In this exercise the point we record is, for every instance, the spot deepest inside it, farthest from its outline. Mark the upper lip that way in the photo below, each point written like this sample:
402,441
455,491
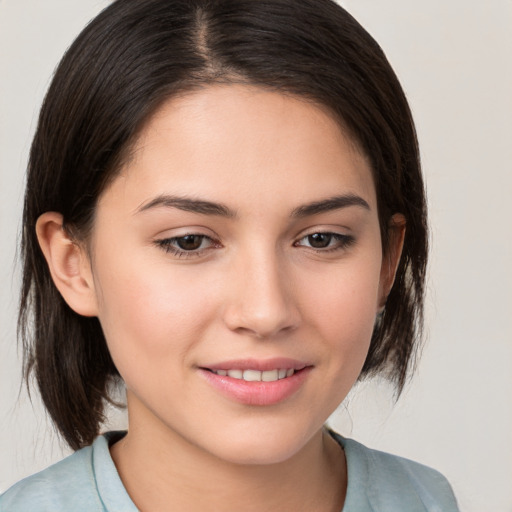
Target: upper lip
258,364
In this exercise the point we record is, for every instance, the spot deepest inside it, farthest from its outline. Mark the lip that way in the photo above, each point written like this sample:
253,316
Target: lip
257,393
258,364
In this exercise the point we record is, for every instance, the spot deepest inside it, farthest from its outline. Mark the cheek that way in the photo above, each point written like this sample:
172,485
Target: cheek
148,312
342,308
344,300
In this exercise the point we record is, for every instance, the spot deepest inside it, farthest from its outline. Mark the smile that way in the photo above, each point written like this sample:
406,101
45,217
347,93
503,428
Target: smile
257,375
260,383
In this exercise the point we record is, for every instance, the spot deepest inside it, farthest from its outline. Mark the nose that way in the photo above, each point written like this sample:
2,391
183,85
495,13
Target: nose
261,302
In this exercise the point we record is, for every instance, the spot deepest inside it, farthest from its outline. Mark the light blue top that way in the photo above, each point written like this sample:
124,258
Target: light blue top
87,481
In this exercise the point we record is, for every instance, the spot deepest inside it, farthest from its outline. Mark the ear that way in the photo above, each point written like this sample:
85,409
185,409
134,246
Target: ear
68,263
391,258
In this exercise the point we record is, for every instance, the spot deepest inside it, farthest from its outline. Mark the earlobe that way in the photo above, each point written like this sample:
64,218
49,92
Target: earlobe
391,258
68,263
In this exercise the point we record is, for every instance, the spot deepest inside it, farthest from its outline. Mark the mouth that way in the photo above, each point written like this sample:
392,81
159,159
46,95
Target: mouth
250,375
256,382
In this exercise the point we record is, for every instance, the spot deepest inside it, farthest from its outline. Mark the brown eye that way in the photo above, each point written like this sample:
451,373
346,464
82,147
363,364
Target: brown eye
187,246
320,240
189,242
326,241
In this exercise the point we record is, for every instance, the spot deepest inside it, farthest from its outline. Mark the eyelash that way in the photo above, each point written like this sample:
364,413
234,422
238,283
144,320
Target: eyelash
343,241
169,244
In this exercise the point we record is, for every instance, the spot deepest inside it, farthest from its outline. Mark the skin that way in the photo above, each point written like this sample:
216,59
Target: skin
256,288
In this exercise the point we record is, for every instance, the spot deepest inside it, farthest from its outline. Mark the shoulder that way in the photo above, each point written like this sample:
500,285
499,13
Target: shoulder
67,485
394,483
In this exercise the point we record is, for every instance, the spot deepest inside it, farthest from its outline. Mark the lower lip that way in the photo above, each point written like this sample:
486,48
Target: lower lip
257,393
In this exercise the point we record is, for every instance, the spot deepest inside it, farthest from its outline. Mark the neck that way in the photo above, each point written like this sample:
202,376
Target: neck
162,471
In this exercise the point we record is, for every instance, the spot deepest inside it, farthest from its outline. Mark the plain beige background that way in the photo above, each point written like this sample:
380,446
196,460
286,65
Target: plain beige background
454,58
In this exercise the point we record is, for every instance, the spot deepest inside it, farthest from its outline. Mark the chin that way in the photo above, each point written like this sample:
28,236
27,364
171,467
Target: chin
260,448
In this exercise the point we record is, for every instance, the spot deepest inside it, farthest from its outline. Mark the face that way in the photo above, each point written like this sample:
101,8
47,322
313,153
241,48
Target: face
238,270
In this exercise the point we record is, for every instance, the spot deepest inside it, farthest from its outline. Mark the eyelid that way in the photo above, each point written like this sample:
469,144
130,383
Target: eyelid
344,240
167,245
325,228
183,230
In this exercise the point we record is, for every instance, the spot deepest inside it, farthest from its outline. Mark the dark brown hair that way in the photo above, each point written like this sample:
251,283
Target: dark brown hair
132,57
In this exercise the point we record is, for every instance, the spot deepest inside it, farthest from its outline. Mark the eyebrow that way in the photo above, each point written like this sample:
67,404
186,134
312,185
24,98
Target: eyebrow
210,208
189,205
332,203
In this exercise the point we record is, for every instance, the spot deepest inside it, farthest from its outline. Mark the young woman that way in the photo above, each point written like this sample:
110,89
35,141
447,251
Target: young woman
225,214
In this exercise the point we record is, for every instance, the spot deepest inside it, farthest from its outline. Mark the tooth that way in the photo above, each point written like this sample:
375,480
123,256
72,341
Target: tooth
256,375
252,375
236,374
269,375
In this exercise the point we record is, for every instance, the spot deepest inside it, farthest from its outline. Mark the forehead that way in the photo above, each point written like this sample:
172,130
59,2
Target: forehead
245,142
